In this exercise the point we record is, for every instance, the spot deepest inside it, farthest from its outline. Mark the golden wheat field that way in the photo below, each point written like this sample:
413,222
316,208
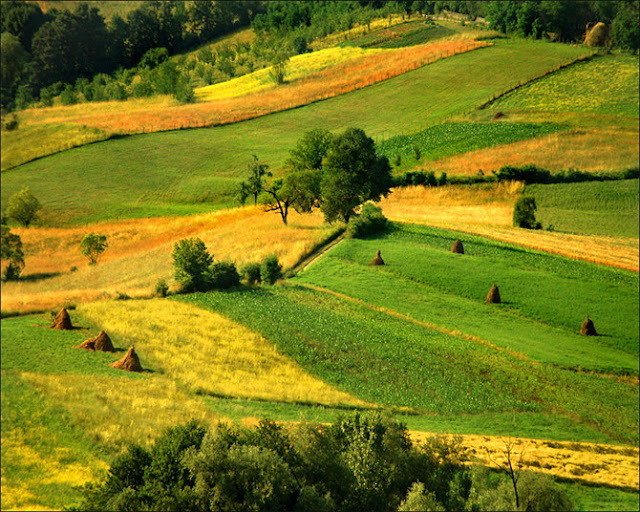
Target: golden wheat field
487,210
209,353
139,253
587,462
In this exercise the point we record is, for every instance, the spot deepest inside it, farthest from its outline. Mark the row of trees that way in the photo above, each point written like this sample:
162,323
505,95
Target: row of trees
62,46
335,173
363,462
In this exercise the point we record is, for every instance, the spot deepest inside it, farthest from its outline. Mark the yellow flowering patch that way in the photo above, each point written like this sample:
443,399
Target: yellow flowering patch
209,353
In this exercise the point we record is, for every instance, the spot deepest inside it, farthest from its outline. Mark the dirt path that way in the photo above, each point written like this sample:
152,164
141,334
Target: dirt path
316,255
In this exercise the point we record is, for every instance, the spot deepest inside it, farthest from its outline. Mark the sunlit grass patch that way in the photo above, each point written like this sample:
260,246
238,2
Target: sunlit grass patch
210,353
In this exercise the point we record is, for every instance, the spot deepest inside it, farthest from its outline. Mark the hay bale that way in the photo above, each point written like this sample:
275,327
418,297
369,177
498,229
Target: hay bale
378,259
103,342
587,328
457,247
499,115
494,295
130,362
89,344
597,36
62,321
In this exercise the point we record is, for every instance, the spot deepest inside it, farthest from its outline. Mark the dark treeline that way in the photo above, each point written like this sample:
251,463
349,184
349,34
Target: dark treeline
39,50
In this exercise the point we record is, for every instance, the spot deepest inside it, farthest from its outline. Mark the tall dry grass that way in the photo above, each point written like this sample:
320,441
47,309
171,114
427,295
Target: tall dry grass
487,210
139,253
588,462
209,353
157,114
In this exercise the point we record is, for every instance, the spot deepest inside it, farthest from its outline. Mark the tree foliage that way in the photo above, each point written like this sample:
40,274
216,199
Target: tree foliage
191,262
270,270
92,246
12,254
524,213
23,207
352,174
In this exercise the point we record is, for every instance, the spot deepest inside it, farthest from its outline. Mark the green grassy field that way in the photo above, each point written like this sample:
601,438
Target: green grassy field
552,292
450,139
604,85
405,34
352,346
594,208
174,172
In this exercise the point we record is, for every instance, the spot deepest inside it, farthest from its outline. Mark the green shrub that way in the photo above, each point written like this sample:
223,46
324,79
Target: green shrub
223,275
67,96
270,270
524,213
162,288
419,499
251,272
23,207
369,222
92,246
191,262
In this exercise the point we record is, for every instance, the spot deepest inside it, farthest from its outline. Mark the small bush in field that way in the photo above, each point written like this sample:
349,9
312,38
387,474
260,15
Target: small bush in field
251,273
369,222
162,288
223,275
270,270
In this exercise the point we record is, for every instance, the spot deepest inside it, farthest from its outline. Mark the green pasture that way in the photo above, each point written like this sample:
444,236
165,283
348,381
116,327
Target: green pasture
397,363
453,138
555,292
405,34
608,208
603,85
186,171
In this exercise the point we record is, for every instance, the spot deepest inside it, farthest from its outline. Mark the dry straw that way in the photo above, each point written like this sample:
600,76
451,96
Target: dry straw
377,260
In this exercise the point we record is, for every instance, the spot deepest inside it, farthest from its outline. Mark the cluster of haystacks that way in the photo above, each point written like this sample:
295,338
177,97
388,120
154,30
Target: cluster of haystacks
378,259
62,321
101,343
598,35
130,362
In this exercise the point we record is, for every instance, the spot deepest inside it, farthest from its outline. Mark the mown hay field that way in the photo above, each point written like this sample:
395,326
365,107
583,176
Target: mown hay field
174,172
139,253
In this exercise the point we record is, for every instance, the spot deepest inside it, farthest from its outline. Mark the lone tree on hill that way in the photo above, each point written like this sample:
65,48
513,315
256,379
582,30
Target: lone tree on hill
524,213
23,207
254,183
92,246
353,174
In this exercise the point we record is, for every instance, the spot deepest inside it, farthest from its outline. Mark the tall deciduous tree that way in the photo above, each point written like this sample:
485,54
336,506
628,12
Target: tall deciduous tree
353,174
23,207
254,183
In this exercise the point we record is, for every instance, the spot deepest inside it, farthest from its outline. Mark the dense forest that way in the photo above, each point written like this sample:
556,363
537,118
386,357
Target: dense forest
78,56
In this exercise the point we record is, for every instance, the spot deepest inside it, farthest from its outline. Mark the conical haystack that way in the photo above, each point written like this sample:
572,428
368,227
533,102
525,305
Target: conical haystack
89,344
129,362
597,36
457,247
494,295
587,328
498,115
62,321
103,342
377,260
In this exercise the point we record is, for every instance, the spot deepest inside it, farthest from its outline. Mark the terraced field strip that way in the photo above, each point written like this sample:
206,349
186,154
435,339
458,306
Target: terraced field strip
601,464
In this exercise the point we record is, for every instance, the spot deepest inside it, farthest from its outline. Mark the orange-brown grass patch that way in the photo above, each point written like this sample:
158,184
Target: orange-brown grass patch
594,463
139,253
487,210
163,113
593,150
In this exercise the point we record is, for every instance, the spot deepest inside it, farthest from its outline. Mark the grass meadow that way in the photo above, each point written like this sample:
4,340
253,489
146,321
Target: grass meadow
594,208
179,171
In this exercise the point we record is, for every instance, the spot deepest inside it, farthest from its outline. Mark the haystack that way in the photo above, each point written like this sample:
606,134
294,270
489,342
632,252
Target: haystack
597,36
457,247
89,344
494,295
62,321
129,362
587,328
103,342
499,115
377,260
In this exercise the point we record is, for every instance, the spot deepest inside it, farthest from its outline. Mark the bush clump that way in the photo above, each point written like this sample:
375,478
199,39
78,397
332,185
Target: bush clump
524,213
251,272
162,288
270,270
369,222
223,275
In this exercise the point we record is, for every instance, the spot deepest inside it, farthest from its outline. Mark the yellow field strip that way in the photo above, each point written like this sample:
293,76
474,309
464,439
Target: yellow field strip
209,353
487,211
601,464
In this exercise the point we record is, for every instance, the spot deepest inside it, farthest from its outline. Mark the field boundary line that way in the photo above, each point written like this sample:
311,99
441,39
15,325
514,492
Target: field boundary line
317,253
